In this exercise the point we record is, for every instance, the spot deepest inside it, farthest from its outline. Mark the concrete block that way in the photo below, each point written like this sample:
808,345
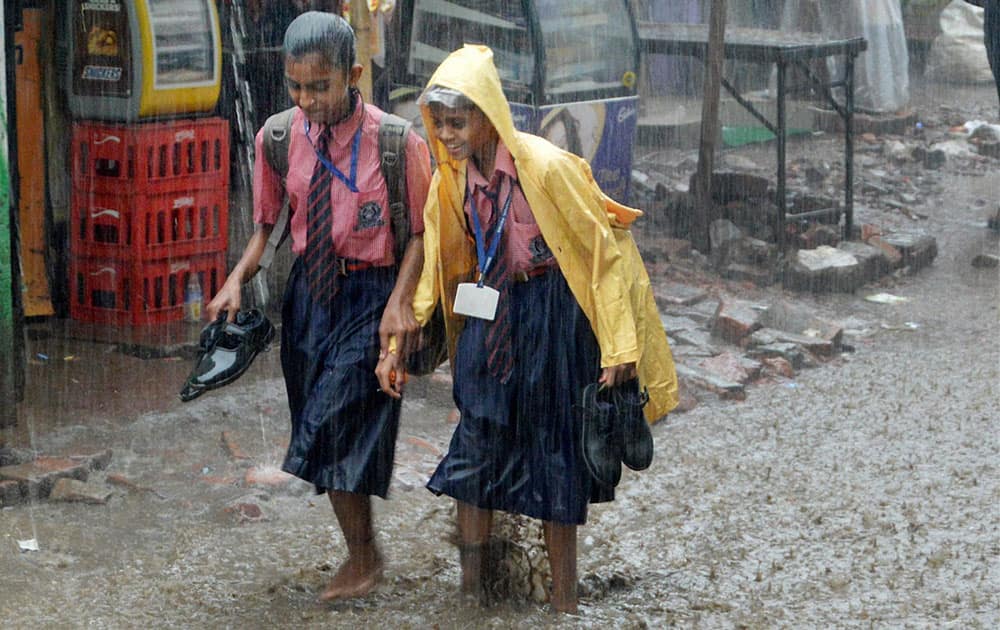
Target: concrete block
873,261
892,255
917,249
823,269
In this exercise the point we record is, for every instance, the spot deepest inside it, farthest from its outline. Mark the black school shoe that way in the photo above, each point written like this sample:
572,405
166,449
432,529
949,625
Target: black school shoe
226,350
633,430
602,446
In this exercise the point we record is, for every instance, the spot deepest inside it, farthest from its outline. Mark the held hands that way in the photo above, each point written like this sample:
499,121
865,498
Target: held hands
391,372
617,374
399,335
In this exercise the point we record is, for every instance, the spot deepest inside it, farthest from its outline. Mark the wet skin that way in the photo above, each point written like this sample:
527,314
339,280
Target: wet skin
319,89
466,133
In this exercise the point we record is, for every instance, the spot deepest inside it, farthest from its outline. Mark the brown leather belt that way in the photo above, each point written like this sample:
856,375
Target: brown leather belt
345,266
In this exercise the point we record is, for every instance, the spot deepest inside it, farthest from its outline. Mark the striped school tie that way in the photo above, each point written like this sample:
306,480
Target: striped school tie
499,352
320,259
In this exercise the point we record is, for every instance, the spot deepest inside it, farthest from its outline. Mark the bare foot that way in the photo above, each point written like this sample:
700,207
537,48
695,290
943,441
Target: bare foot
355,578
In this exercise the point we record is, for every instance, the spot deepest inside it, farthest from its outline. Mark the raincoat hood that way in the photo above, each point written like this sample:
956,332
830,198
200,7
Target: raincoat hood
585,229
470,70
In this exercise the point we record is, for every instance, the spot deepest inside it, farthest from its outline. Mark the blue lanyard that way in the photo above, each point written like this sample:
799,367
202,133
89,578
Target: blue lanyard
487,255
349,182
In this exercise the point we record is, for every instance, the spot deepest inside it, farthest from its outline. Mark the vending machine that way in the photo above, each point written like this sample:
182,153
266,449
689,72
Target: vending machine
132,60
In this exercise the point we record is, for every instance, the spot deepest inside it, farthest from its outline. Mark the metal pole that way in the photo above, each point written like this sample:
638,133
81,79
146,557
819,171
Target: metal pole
782,202
849,147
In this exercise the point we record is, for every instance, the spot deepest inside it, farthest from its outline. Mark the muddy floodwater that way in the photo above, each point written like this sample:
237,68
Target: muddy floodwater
863,492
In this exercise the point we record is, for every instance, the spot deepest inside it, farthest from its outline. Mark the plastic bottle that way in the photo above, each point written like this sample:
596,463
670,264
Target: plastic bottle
192,299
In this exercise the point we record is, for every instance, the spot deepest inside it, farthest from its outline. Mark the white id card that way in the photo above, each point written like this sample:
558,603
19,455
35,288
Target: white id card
473,300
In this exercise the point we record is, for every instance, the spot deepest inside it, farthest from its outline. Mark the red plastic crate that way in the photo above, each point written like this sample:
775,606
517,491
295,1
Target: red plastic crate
129,292
149,226
155,156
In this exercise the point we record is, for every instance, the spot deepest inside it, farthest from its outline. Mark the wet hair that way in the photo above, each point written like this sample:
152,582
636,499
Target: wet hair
327,34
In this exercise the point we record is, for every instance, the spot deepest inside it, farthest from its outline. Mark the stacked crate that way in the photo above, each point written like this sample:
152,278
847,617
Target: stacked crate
150,206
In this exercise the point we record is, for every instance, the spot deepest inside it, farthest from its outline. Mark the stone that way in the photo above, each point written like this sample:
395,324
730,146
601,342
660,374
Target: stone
232,447
707,380
918,249
10,493
13,456
795,318
675,293
814,344
788,352
897,151
873,261
779,366
95,461
990,149
892,255
986,261
245,512
735,319
75,491
673,324
39,476
696,338
703,312
722,235
759,276
727,366
823,269
267,476
819,234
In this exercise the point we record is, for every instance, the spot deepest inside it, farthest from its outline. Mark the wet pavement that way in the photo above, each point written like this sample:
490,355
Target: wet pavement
861,492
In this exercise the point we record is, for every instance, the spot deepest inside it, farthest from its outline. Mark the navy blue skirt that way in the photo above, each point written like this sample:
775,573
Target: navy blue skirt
517,445
343,428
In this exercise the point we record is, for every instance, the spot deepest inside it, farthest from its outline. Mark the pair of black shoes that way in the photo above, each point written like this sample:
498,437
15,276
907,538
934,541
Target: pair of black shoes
614,431
226,350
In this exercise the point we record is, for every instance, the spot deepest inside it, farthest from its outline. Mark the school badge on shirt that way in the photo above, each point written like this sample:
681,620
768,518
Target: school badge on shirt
369,216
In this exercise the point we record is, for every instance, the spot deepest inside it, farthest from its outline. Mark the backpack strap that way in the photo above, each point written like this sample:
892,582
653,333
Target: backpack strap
277,134
392,134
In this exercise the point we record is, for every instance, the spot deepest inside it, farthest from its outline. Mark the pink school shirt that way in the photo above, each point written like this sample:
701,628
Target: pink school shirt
360,231
524,247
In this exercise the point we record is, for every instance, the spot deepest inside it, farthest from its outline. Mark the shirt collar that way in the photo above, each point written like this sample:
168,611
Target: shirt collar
342,133
503,164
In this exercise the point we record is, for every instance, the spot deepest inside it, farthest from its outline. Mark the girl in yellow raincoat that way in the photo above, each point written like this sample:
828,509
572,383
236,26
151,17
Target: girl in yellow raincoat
544,293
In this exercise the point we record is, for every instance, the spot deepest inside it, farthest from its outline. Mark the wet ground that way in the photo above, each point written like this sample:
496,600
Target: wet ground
861,493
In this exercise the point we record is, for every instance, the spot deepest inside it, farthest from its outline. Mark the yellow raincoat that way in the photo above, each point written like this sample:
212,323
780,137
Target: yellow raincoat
586,230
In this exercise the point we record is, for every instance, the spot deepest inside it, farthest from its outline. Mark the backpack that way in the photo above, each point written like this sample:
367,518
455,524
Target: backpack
392,134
